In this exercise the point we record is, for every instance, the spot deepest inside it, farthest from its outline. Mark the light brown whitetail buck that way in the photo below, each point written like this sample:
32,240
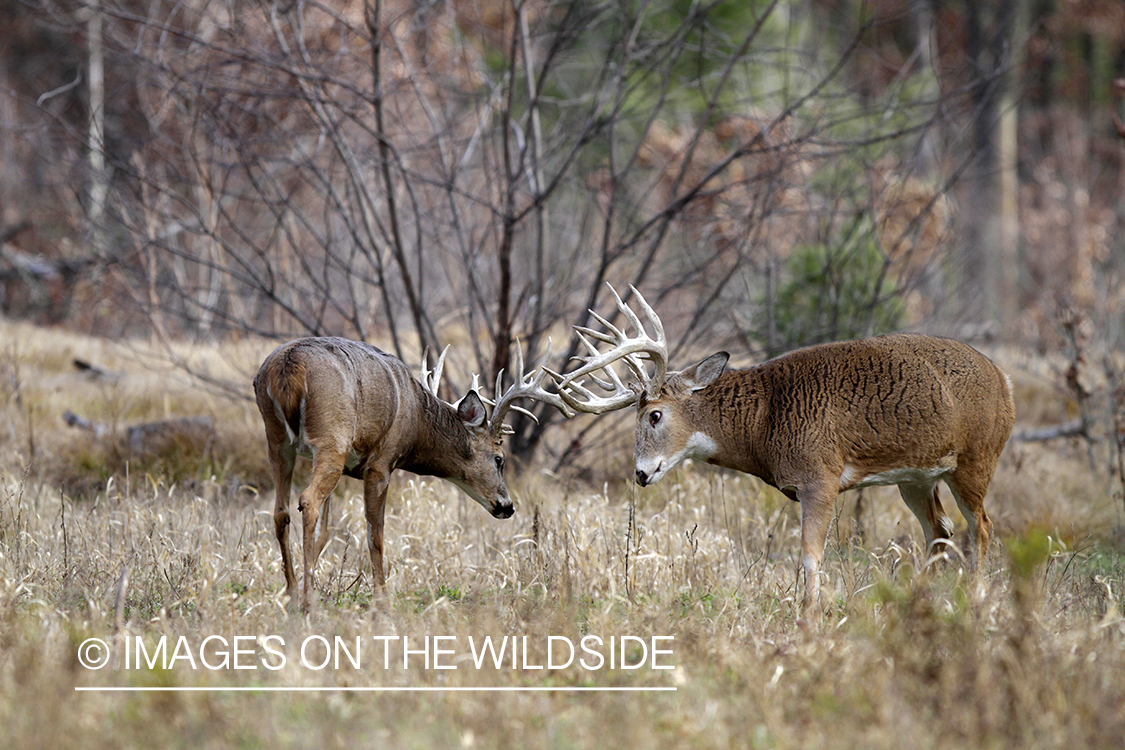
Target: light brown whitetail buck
356,410
904,409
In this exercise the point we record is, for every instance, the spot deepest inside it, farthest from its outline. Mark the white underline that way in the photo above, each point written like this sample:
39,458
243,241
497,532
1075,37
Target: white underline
375,689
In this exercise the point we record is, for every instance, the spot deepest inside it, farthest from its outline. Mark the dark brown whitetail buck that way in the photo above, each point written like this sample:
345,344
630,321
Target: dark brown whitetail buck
903,409
357,411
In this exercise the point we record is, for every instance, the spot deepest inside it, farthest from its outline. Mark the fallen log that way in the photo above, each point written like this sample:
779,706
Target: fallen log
1073,428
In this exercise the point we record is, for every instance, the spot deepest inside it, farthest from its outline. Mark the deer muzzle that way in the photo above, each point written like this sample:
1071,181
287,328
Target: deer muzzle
503,509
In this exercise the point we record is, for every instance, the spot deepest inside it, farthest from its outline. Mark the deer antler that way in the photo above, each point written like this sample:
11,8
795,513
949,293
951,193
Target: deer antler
629,349
528,385
431,379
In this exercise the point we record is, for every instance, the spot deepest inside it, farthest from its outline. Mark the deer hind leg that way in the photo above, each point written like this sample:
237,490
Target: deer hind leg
923,501
322,523
969,486
328,466
282,460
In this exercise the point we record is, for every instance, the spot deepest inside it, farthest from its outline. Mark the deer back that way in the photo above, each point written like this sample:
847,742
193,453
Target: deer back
329,391
347,396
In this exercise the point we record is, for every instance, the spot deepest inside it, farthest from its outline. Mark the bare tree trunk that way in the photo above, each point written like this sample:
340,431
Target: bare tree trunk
989,45
1007,255
99,179
422,325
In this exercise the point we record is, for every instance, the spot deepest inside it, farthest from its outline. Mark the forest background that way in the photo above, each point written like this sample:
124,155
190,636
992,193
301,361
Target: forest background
471,172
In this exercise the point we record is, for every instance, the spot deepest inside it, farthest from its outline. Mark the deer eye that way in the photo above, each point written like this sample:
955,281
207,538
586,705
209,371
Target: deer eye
500,464
654,418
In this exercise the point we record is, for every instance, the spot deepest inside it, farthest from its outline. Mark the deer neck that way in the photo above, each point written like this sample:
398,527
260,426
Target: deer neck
441,441
733,403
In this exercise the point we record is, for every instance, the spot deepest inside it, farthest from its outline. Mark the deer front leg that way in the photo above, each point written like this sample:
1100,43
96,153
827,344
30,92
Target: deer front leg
817,500
375,484
328,466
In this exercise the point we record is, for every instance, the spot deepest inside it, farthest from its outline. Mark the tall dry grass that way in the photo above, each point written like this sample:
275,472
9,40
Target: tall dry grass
1033,656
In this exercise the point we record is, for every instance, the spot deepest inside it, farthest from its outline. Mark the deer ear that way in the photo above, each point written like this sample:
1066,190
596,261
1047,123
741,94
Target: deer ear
702,374
471,410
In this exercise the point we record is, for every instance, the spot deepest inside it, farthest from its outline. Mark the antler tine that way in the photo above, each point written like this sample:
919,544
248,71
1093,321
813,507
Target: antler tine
475,386
525,382
591,403
626,310
661,363
630,360
646,308
529,385
617,333
602,361
431,380
629,349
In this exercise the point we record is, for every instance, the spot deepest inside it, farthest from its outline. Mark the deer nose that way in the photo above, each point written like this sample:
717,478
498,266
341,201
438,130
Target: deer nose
505,510
642,478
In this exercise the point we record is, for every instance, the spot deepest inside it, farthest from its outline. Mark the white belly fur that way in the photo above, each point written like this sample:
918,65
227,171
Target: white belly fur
853,478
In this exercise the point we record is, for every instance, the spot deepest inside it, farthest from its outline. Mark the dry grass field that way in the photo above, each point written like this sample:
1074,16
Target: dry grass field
173,549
